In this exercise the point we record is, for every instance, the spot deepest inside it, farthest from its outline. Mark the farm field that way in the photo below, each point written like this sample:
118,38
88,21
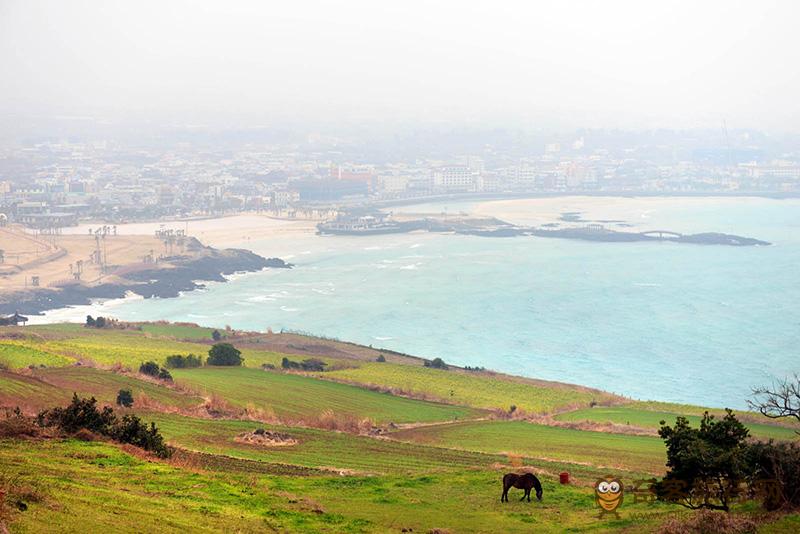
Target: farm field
368,447
295,397
598,449
629,415
469,389
178,331
96,486
89,483
16,355
42,387
337,451
28,392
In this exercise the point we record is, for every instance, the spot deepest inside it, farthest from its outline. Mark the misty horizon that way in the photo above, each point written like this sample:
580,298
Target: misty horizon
552,67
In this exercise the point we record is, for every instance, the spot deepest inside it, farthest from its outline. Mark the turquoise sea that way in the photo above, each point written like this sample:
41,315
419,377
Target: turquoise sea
684,323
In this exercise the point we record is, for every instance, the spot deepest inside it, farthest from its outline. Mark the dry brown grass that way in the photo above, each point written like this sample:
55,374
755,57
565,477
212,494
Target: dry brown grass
15,495
591,426
15,424
329,420
710,522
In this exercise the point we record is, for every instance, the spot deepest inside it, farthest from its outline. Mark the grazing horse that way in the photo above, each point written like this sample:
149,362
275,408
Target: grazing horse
525,482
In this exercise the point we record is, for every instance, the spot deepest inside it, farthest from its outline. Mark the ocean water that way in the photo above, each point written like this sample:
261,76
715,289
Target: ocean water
663,321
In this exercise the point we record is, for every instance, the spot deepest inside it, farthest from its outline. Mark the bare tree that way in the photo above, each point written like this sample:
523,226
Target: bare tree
779,401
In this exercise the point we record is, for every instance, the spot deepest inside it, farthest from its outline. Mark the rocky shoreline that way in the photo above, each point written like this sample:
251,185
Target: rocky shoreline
166,280
492,227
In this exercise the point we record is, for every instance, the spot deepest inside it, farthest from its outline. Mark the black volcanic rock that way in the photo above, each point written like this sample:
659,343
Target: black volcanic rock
181,273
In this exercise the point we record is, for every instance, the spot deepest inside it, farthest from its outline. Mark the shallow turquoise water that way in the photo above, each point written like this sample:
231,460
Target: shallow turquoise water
683,323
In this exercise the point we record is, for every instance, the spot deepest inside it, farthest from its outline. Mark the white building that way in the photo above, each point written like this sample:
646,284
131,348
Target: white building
455,178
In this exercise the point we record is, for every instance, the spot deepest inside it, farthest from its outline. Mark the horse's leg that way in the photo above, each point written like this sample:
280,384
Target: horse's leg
528,494
504,496
523,494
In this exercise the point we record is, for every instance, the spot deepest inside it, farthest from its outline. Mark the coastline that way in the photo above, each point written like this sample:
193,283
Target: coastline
169,280
221,232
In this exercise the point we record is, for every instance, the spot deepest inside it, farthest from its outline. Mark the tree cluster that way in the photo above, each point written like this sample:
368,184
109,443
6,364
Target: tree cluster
712,466
100,322
125,398
179,361
310,365
151,368
224,354
83,414
436,363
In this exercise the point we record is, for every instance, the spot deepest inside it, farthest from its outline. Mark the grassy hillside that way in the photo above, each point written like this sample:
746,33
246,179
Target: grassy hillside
469,389
44,387
95,487
649,419
16,355
598,449
316,448
440,469
295,397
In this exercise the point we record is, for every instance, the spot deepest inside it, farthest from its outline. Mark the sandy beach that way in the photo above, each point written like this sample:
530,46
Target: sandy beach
220,232
53,258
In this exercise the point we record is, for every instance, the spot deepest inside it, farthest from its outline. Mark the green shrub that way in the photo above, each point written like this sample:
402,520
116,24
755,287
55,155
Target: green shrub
164,375
775,473
178,361
706,465
132,430
224,354
381,358
310,364
81,413
436,363
313,364
125,398
150,369
286,363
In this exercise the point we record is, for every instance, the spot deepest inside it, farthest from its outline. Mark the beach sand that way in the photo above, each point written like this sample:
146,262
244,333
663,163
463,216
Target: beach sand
222,232
53,258
50,257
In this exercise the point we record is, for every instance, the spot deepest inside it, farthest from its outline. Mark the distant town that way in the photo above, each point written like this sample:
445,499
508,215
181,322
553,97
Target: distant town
53,183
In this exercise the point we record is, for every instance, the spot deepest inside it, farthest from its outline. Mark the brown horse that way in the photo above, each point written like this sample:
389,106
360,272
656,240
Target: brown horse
525,482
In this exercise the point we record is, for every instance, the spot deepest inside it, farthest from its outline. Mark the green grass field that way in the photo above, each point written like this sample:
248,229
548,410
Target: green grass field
52,346
295,397
316,448
46,387
477,390
599,449
96,487
16,355
628,415
179,331
442,470
28,392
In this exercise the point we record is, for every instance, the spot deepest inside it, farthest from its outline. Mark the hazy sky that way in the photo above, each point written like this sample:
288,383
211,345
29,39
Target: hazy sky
551,64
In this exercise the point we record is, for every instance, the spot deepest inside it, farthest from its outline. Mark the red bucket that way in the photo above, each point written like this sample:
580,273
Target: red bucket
563,477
